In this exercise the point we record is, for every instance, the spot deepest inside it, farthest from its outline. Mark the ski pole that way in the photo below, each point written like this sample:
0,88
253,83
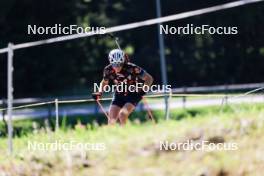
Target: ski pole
102,109
116,40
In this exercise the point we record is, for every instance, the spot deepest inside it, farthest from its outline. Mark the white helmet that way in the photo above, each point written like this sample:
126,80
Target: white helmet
116,56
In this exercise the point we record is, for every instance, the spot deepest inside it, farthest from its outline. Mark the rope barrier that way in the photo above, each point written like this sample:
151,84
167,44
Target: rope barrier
249,92
82,100
230,96
29,105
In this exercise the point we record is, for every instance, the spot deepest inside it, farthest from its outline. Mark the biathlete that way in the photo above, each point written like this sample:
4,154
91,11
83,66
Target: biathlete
122,72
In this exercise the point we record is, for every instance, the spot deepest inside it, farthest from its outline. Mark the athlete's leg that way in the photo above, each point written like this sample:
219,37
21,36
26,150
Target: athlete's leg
113,113
124,112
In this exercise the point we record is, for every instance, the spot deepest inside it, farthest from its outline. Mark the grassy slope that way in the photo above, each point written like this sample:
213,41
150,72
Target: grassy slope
133,150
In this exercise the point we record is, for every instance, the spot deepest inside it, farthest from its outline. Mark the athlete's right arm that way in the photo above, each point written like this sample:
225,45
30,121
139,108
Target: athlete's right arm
103,83
98,95
105,80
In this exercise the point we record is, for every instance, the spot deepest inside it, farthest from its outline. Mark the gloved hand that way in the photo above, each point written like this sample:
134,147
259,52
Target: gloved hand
97,95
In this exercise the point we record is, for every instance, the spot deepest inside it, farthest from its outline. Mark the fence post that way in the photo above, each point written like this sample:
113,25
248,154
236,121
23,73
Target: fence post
184,98
57,114
169,104
167,114
3,114
10,90
226,93
4,106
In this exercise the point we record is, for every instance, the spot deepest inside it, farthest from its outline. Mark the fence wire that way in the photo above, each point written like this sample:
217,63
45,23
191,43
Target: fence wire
223,96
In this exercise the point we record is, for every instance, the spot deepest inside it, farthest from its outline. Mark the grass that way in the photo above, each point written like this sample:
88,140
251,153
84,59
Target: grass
134,149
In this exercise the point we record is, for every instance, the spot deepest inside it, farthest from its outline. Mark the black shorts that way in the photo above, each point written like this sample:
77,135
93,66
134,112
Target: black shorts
121,100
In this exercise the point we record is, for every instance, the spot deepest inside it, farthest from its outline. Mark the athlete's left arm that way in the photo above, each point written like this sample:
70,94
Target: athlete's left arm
147,78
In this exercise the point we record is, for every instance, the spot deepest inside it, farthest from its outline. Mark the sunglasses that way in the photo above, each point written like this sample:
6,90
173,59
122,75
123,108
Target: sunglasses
117,65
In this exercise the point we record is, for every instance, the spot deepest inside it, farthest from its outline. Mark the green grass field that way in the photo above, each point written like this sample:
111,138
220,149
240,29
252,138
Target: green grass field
134,149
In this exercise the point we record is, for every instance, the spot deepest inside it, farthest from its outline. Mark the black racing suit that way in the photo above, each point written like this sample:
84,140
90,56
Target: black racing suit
130,74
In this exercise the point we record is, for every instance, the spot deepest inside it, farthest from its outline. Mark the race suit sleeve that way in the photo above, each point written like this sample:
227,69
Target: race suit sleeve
139,71
106,74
